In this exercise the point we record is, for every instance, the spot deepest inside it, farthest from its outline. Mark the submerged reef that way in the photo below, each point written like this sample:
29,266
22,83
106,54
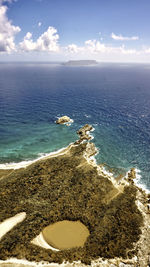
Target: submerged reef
71,186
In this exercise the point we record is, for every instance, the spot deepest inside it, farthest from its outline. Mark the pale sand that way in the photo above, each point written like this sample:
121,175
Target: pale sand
8,224
24,164
40,241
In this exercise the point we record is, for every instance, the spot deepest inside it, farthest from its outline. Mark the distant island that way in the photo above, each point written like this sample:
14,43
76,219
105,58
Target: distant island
80,62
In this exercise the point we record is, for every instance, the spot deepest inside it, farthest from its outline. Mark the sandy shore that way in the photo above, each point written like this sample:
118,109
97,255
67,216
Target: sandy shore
24,164
40,241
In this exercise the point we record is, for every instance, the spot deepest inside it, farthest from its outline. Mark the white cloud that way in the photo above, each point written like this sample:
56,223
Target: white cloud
96,48
90,46
48,41
146,50
123,38
7,31
126,51
73,48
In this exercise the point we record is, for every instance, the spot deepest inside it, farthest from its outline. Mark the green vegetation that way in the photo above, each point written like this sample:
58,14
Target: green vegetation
68,188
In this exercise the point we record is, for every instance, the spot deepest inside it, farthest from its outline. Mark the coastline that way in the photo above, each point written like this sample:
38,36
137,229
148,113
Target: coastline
24,164
116,190
64,150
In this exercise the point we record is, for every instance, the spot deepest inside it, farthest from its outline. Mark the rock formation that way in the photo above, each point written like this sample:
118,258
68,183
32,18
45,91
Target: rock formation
64,120
131,175
84,133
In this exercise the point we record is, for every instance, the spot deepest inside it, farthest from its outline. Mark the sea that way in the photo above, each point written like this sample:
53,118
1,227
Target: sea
113,97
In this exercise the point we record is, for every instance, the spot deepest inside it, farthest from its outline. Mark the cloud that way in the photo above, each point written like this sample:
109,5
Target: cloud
123,38
90,46
98,47
73,48
7,31
126,51
146,50
94,47
48,41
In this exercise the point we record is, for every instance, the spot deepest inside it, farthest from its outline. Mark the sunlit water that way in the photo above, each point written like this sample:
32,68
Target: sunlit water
114,98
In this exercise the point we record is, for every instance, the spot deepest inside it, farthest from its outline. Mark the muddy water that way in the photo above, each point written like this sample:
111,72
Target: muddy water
66,234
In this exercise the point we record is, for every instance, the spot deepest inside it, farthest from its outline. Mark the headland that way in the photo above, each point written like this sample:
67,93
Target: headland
71,186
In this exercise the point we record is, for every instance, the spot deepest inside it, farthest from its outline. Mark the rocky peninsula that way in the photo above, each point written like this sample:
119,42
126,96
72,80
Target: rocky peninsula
71,186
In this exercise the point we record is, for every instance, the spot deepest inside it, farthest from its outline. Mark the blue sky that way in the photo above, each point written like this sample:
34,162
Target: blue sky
105,30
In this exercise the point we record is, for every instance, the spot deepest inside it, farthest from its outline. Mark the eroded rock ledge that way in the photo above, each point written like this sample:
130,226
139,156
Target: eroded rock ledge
70,187
84,133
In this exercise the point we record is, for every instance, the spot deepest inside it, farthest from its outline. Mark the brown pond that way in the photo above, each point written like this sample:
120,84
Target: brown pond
66,234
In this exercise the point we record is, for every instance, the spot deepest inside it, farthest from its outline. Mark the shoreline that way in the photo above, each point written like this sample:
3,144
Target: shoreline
24,164
84,154
64,150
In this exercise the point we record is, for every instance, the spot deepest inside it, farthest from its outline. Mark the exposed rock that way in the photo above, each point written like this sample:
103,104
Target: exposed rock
86,128
132,175
64,120
91,150
84,133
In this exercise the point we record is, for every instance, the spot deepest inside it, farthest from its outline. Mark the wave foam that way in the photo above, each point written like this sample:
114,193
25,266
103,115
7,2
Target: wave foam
138,181
25,262
87,116
24,164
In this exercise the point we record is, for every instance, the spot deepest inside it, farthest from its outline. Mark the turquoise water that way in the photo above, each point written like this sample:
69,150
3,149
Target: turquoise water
114,98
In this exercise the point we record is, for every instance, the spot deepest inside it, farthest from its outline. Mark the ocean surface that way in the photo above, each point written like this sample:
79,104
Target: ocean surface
114,98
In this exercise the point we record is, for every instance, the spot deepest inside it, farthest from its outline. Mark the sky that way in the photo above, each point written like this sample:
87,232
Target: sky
61,30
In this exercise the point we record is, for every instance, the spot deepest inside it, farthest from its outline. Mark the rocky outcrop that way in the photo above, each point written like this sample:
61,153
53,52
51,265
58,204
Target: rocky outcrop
84,133
64,120
131,175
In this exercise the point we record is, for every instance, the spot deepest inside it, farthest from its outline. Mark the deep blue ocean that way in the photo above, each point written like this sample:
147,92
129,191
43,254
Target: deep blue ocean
114,98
